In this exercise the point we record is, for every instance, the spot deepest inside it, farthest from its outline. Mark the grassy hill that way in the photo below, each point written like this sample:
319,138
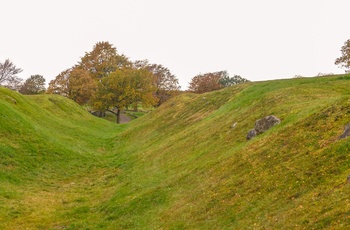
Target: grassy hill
183,166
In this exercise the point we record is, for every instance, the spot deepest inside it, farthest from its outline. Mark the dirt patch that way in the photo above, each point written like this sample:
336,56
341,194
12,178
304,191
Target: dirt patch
124,118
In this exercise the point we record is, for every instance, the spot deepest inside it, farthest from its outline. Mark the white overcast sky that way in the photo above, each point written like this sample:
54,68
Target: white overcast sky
257,39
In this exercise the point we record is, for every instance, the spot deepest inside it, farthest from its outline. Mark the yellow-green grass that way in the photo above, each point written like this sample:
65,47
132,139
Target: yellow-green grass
183,165
49,148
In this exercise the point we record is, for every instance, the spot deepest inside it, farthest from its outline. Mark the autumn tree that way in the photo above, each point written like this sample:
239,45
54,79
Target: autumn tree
103,60
8,75
167,85
122,88
207,82
344,60
60,85
213,81
74,83
81,86
35,84
143,82
80,82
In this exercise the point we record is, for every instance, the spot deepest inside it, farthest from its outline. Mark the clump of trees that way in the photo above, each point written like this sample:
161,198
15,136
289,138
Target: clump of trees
35,84
108,81
213,81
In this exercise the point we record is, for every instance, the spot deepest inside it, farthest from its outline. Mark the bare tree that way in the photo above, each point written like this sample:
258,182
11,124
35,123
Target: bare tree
8,72
344,60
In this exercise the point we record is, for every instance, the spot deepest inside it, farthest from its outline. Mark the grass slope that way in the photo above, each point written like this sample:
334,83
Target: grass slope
182,166
49,148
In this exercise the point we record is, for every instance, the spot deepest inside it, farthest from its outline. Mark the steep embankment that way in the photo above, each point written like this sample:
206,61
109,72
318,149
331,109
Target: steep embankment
191,169
182,166
49,148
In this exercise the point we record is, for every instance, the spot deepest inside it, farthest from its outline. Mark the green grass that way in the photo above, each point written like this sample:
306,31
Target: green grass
181,166
49,148
134,115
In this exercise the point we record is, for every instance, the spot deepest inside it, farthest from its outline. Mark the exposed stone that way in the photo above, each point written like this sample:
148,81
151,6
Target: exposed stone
346,132
234,125
266,123
348,179
252,133
263,125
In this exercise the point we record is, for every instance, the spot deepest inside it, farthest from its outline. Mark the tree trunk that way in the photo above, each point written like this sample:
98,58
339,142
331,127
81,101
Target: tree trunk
135,106
118,116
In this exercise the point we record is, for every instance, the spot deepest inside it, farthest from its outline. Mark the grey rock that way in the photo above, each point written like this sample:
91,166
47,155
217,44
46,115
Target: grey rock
266,123
251,134
346,132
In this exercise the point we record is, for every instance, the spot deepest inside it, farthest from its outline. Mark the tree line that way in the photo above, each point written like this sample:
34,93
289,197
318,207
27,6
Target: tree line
107,81
35,84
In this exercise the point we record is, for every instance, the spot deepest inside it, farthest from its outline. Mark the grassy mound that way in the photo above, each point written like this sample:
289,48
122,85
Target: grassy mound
196,171
183,166
48,145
